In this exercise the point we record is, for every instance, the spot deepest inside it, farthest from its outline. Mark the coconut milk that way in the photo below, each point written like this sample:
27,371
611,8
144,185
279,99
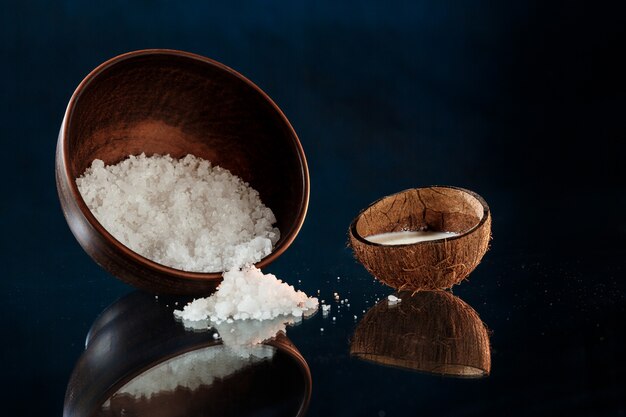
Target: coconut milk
408,237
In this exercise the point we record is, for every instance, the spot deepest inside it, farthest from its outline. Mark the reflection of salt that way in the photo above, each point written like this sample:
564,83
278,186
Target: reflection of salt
192,370
325,310
241,336
197,325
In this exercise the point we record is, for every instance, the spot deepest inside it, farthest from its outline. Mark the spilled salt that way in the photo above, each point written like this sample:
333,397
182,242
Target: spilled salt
393,299
249,294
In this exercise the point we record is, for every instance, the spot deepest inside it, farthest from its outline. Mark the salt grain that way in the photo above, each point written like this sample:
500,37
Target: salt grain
393,299
186,214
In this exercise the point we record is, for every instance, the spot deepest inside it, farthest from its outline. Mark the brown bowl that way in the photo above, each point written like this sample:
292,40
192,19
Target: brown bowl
428,265
430,331
171,102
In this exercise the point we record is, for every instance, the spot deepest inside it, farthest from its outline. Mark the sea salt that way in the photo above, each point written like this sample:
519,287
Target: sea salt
183,213
249,294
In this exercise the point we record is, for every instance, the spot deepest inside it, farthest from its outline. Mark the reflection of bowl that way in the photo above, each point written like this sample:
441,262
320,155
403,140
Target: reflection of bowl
428,265
137,335
431,331
177,103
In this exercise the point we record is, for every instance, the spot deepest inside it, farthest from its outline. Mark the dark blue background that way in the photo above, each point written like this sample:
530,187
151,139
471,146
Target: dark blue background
523,102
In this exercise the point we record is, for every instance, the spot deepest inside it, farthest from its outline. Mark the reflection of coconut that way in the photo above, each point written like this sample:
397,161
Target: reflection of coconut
432,332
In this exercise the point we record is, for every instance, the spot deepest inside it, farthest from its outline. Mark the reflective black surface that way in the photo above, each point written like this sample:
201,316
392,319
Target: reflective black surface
523,103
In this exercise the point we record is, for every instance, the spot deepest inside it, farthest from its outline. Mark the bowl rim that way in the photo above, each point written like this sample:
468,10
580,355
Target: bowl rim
88,215
485,216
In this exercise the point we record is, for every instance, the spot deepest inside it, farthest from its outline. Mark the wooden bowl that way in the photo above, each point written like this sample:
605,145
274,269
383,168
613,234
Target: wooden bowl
430,331
428,265
172,102
138,333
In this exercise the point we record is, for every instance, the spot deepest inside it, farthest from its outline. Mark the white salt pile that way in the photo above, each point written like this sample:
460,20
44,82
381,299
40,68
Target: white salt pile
186,214
249,294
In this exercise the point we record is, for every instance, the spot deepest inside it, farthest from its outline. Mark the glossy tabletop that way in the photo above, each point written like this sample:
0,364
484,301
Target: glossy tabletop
523,104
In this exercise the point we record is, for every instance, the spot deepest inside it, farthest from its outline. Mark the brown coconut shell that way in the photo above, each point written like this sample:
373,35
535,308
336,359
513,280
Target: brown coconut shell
431,331
429,265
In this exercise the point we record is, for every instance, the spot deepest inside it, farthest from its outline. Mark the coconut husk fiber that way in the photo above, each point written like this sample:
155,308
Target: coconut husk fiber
431,331
428,265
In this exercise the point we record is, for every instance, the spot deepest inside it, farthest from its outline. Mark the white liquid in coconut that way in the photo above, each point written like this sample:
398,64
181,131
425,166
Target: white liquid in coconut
408,237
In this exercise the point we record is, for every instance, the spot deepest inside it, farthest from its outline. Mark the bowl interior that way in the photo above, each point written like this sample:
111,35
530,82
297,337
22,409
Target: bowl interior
444,209
179,104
